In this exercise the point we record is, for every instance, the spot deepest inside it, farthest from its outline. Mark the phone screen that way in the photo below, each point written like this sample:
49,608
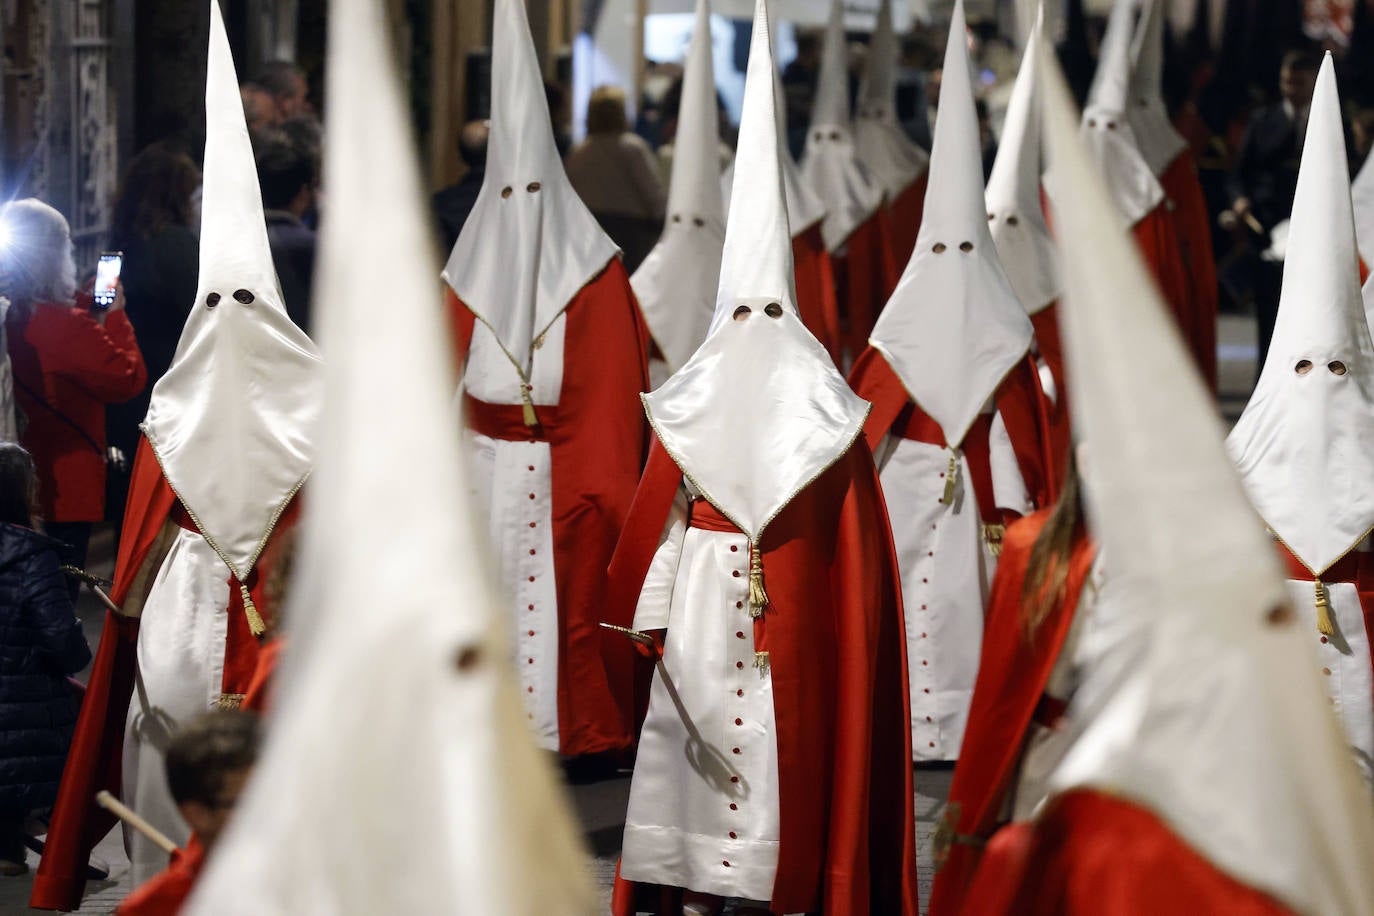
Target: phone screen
106,276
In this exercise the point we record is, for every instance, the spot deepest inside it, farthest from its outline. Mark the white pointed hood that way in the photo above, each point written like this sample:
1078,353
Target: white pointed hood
676,284
1016,216
760,382
530,243
890,156
232,422
1107,127
1213,718
804,208
1305,443
396,734
1160,144
1362,196
830,164
953,328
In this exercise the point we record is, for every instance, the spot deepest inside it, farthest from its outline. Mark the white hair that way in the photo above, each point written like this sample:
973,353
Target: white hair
36,259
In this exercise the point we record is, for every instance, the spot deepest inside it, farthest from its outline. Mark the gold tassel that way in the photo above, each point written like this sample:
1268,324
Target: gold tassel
229,701
951,479
758,598
1324,625
527,407
255,624
761,661
992,536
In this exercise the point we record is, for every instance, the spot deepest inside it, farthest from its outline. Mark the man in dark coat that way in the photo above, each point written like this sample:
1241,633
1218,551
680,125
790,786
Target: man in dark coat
288,174
453,203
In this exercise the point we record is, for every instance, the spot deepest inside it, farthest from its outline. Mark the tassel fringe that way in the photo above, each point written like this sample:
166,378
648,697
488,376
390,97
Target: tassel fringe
229,701
992,536
250,610
527,406
761,661
1324,625
758,597
951,479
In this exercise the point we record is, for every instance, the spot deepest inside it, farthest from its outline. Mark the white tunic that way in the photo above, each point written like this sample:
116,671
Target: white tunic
513,483
181,639
703,812
1344,661
946,570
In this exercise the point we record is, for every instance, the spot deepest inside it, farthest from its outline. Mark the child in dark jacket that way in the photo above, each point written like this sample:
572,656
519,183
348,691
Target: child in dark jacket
41,642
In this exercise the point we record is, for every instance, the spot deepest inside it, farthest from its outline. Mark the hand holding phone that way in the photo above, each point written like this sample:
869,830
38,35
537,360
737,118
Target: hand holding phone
107,278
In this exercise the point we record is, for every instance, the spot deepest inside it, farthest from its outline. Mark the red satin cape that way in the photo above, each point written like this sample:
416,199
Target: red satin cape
1013,670
165,893
597,449
815,279
1181,185
866,275
907,209
1051,346
837,658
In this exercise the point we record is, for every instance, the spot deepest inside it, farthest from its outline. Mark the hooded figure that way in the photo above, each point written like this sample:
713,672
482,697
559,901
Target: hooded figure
1205,773
398,676
676,284
811,264
896,163
1305,443
227,443
1016,219
1362,195
773,764
857,229
554,353
1110,136
1170,160
958,424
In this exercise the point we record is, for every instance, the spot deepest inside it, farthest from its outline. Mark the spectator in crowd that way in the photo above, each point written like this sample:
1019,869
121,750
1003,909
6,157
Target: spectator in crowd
70,359
41,643
453,203
287,85
288,176
208,764
560,116
799,88
259,108
154,224
986,138
1265,178
615,174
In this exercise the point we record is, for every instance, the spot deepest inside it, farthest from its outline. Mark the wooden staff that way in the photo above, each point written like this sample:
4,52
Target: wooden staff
124,813
97,585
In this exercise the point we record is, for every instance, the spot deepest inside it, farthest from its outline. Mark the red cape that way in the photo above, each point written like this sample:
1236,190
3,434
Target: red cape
837,657
906,211
1156,238
1019,398
866,276
1181,185
815,278
597,447
1091,853
1051,347
95,759
166,892
1012,672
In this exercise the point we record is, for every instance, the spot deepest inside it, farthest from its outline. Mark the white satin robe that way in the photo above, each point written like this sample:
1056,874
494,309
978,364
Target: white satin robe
181,638
1344,662
703,812
946,571
512,482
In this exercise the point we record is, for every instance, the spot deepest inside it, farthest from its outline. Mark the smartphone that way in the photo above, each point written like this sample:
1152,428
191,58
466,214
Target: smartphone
106,276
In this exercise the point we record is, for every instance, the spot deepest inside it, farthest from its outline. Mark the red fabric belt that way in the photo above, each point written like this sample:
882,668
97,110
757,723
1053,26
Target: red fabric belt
707,517
1346,569
507,421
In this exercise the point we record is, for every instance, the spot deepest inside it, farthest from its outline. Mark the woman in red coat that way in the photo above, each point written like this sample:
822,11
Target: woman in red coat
69,361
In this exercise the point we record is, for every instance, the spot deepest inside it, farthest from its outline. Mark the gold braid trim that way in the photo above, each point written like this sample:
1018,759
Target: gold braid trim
229,701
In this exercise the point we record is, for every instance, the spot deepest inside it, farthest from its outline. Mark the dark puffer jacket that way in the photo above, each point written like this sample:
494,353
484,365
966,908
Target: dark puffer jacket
40,643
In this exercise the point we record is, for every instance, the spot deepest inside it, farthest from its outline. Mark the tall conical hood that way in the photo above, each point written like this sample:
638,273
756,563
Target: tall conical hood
1160,143
1106,125
1307,428
760,381
397,676
530,244
1211,714
245,381
1362,196
676,284
883,146
830,165
1016,216
953,328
